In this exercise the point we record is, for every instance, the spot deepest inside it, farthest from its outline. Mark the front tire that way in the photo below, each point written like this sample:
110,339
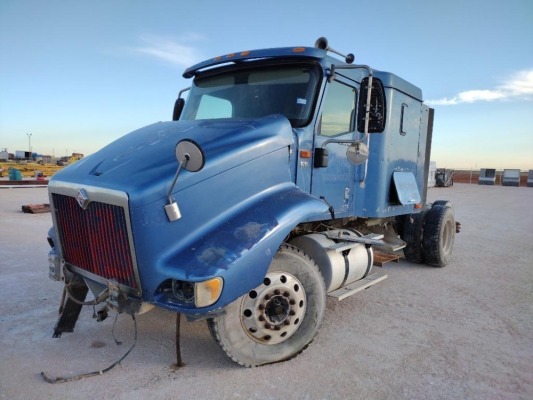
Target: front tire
280,318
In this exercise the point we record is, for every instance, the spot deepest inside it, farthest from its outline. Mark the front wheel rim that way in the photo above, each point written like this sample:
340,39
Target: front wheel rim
273,312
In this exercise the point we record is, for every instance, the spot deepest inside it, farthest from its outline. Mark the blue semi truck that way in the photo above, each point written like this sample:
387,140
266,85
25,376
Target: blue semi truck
280,172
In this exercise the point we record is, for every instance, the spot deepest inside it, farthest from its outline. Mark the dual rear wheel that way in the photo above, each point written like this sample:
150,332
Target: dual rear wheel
430,235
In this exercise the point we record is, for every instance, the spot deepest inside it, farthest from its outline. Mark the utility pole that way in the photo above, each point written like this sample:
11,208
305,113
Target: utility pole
29,143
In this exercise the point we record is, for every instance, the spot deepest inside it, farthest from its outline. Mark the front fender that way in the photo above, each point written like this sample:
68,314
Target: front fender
241,248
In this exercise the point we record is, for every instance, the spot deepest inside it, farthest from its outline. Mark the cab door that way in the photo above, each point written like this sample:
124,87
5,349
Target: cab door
334,183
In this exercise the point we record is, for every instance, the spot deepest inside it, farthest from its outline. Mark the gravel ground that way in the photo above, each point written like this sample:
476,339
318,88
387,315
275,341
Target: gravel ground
460,332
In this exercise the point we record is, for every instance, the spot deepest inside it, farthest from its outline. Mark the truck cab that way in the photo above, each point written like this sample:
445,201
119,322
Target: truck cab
325,102
279,173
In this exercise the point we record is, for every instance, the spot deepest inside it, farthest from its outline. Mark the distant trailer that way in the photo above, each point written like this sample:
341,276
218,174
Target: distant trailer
22,155
487,176
530,178
511,177
444,177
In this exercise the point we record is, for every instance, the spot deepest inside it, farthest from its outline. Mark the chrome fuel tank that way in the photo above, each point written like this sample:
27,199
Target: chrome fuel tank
339,268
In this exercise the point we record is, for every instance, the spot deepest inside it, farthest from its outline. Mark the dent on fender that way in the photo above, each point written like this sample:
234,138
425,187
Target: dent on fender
215,254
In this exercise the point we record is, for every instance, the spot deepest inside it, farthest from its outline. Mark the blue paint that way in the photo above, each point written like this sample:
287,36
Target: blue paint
256,185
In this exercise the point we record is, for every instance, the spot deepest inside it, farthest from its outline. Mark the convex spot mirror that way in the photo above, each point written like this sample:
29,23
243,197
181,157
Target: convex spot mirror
191,155
357,153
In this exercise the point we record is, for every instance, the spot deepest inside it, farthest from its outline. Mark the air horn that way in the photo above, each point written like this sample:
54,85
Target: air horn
322,43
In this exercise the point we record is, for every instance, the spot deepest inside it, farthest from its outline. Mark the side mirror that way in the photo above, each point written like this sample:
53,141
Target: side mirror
178,108
357,153
190,157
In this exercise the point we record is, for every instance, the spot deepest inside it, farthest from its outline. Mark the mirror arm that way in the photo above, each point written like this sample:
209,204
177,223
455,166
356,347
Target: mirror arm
369,91
338,141
182,164
172,209
367,108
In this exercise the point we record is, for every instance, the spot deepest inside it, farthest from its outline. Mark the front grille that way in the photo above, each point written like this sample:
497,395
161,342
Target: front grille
95,239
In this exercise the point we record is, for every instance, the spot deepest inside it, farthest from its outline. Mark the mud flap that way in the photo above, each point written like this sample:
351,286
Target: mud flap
70,310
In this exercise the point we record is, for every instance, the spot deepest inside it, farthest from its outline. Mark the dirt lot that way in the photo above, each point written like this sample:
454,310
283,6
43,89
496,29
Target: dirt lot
461,332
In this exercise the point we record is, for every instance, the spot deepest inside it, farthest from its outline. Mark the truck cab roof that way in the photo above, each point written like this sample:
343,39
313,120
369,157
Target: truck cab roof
282,52
388,79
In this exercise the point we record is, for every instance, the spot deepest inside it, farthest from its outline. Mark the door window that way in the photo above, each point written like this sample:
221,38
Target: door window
339,110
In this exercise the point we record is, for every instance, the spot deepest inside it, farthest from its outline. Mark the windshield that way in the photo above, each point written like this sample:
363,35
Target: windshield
254,93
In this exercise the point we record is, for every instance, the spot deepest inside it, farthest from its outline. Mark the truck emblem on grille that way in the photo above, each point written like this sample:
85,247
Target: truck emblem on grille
83,199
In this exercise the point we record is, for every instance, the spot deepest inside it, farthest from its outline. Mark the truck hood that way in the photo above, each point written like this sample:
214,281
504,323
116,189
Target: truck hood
143,162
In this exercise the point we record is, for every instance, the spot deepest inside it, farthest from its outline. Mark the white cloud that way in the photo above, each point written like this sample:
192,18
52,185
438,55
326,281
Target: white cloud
178,52
519,85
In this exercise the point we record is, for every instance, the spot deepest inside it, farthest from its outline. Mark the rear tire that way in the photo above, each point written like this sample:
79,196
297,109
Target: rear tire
439,235
280,318
445,203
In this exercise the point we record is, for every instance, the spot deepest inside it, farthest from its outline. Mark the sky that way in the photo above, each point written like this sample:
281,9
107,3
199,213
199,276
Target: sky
76,75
